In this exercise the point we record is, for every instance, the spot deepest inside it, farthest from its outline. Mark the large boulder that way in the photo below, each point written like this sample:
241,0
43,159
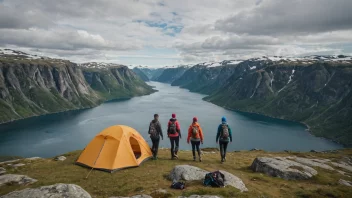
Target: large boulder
232,180
192,173
282,168
312,162
16,179
187,173
53,191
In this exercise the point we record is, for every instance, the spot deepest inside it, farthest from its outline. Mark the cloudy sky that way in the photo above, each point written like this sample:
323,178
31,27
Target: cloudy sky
173,32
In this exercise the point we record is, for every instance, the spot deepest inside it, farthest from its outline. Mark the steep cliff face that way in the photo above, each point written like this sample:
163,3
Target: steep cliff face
141,74
171,74
32,85
115,81
35,87
317,93
151,73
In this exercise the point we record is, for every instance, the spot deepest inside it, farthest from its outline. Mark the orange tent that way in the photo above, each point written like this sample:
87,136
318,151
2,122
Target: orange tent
115,148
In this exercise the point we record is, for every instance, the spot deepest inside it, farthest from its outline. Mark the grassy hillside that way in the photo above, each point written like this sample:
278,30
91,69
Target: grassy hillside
152,175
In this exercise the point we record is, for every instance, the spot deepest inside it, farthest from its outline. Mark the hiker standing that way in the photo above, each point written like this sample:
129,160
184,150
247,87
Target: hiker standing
174,133
195,134
155,132
223,137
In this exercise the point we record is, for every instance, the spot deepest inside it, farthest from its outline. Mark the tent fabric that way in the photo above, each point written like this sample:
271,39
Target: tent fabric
115,148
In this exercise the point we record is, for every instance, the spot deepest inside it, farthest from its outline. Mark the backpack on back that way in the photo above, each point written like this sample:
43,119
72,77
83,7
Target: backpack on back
195,132
172,127
225,131
152,130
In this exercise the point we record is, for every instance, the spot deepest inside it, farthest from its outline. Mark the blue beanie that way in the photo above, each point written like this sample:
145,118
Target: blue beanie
223,119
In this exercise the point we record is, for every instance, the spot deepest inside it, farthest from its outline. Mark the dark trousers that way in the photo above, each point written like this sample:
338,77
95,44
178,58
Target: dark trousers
195,145
174,141
223,147
155,146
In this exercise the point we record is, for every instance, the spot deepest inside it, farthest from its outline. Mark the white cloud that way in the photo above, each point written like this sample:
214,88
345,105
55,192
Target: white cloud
160,32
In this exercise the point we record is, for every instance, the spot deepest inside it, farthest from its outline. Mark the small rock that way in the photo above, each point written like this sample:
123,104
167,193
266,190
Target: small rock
282,168
314,151
16,179
232,180
60,158
201,196
346,183
2,170
57,191
18,165
255,149
187,173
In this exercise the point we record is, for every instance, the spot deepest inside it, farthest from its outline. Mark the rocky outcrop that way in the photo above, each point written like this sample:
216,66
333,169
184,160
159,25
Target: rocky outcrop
343,165
192,173
232,180
345,183
161,193
313,162
282,168
16,179
57,191
187,173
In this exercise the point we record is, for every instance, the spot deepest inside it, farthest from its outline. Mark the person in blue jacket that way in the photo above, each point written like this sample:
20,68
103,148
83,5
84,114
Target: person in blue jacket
223,137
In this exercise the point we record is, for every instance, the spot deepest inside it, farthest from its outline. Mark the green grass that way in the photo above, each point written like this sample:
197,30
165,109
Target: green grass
152,175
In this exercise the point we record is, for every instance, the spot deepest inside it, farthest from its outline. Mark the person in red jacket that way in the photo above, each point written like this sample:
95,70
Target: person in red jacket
195,134
174,133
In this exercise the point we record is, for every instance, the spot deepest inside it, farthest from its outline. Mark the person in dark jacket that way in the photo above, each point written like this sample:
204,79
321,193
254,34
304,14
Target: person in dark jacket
155,132
223,137
174,133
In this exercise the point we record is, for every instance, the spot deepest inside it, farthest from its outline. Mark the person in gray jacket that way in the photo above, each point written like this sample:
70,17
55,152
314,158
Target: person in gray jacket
155,132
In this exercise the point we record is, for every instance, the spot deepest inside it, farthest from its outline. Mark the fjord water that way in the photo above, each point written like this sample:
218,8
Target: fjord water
50,135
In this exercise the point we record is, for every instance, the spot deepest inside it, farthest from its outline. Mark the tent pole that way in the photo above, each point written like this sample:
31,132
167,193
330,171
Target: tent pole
96,158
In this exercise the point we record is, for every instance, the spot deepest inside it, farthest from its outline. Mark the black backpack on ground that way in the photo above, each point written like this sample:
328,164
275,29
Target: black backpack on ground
178,185
172,127
214,179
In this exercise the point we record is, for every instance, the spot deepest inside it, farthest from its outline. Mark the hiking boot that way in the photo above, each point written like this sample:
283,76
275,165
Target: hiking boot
224,159
155,158
175,156
200,158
